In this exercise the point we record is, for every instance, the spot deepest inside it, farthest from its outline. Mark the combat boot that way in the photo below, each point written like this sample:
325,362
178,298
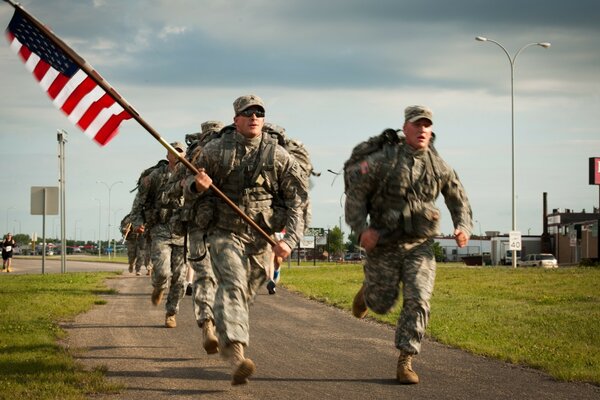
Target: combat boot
130,268
404,371
157,295
210,341
243,367
170,321
148,271
359,306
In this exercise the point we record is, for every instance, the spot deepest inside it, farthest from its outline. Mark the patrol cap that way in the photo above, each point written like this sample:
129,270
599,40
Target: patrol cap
243,102
211,126
415,113
179,146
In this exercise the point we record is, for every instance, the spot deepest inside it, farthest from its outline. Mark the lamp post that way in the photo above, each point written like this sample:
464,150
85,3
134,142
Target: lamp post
512,119
7,210
19,222
99,225
115,220
109,188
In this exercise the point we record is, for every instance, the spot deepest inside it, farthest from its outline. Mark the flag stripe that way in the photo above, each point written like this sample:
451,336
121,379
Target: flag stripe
79,93
85,103
71,89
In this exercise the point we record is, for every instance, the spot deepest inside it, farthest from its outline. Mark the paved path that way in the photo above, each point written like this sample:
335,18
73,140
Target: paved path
303,350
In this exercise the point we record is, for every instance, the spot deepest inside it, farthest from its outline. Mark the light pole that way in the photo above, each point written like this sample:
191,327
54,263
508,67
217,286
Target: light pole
512,119
16,220
115,220
7,210
480,242
99,225
109,187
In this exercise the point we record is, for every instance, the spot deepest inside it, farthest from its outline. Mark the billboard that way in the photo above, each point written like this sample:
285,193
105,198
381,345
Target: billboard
594,170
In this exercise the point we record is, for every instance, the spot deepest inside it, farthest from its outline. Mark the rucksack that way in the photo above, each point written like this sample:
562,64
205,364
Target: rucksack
294,147
147,172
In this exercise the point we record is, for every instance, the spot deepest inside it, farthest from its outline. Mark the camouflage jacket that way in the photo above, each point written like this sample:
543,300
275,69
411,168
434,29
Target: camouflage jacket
154,209
396,193
247,184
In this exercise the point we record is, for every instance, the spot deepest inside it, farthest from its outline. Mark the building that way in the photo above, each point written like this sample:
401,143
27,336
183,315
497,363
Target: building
573,235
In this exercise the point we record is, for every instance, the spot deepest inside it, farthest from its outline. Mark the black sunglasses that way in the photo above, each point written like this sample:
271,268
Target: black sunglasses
252,111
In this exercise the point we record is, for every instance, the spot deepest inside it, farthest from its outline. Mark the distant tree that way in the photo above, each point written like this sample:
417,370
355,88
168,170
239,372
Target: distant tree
352,243
336,241
438,252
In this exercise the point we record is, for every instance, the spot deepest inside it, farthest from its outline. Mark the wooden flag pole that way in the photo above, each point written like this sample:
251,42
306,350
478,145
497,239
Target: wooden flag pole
87,68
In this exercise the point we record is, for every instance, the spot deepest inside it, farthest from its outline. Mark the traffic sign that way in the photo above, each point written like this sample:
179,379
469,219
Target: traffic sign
514,240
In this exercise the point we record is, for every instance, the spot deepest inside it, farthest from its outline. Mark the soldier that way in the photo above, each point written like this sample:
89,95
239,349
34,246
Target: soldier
250,168
153,210
197,216
394,188
131,239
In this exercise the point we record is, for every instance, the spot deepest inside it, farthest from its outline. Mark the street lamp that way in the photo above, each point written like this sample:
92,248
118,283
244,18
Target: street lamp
16,220
109,187
99,225
115,220
512,113
7,210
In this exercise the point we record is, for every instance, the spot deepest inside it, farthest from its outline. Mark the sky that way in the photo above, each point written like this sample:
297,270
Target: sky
333,73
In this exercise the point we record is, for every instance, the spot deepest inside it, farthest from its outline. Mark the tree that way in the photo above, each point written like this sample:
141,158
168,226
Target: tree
438,252
336,241
352,243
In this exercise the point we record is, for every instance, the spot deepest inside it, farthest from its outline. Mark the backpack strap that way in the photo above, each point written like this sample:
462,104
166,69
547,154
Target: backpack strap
266,163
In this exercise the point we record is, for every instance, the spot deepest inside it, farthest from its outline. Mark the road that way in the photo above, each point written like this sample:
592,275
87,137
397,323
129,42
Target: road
303,350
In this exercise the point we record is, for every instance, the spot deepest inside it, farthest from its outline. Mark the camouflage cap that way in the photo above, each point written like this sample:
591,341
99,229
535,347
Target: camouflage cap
211,126
243,102
179,146
415,113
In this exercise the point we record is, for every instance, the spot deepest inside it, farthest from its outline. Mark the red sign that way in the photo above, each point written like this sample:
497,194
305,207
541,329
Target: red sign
594,170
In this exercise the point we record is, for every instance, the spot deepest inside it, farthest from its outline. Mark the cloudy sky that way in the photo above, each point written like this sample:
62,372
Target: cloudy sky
331,72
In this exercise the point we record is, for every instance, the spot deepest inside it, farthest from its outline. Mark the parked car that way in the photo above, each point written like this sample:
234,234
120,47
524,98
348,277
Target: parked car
543,260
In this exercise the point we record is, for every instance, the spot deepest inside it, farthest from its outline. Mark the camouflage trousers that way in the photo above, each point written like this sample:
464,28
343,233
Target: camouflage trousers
239,275
168,264
413,264
136,253
205,283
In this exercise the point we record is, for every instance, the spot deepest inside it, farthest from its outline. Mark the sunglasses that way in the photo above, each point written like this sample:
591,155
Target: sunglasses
252,111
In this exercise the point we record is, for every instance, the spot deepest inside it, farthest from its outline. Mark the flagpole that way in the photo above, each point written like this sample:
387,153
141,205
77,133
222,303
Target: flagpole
87,68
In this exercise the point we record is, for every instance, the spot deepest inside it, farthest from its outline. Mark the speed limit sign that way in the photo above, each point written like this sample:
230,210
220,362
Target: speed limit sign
514,240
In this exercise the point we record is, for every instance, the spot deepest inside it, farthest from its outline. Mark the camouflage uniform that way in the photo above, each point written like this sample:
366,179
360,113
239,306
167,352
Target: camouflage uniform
154,210
241,256
197,216
131,241
395,193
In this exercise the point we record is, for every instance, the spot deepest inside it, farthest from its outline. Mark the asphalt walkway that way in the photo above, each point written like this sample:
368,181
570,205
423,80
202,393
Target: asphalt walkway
303,350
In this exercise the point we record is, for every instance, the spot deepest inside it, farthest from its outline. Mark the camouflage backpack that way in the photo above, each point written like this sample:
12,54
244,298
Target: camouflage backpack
294,147
147,172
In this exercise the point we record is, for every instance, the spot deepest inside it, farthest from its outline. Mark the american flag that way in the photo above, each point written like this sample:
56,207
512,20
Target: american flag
71,89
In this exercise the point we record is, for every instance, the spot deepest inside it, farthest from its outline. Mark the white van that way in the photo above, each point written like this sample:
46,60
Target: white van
543,260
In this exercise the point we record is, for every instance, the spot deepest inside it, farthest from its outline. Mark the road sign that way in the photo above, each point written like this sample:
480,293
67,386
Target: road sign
315,231
307,242
514,240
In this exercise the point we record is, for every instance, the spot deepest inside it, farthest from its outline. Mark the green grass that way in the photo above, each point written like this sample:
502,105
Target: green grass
32,363
546,319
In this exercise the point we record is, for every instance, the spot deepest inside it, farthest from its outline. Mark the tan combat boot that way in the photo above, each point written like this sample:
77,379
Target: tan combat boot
359,307
210,341
243,367
170,321
157,295
404,372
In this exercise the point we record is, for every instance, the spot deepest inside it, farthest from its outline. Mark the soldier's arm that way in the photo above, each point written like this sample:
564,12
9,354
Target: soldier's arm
458,204
360,181
293,191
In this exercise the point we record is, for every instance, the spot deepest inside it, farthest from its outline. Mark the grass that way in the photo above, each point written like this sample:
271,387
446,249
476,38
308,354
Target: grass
546,319
32,363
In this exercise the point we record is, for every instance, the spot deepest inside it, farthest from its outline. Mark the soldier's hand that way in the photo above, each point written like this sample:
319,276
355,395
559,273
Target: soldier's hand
282,250
461,238
202,181
369,239
140,229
